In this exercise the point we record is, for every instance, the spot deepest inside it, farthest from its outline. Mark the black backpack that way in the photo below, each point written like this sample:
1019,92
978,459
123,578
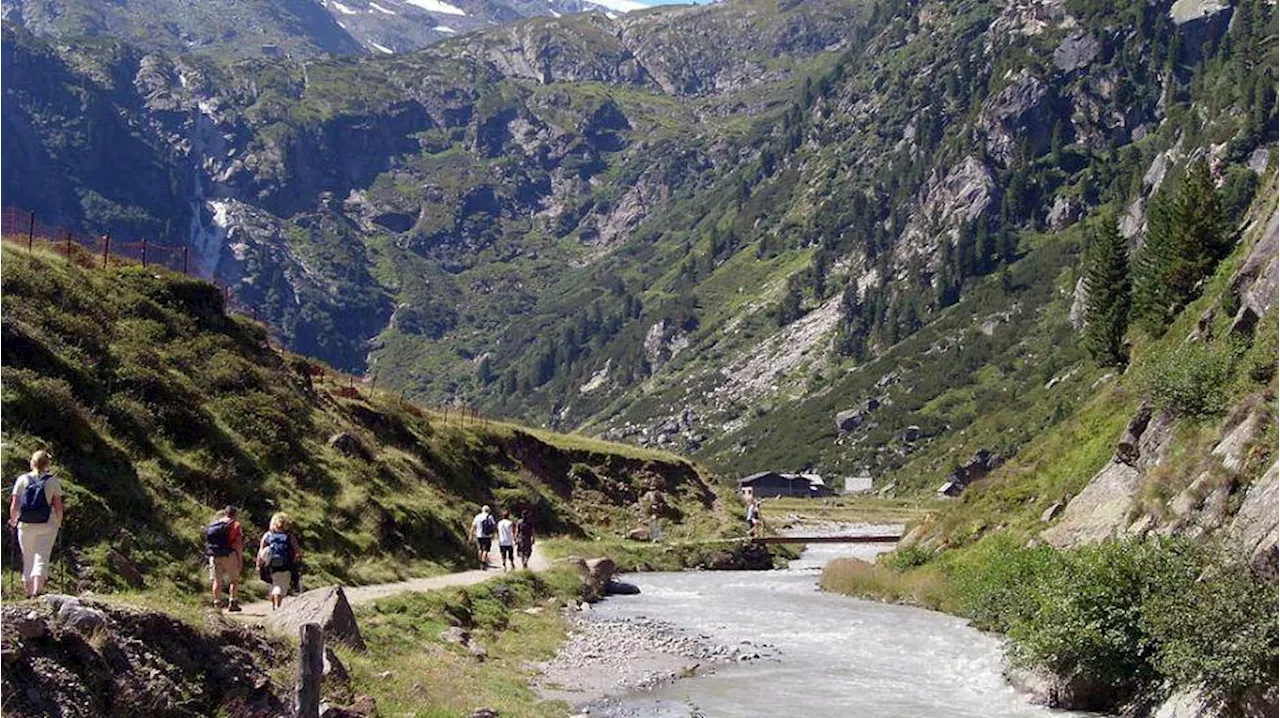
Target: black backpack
488,526
217,538
33,505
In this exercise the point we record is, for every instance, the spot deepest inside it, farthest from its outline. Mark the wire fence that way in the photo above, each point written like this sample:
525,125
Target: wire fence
24,228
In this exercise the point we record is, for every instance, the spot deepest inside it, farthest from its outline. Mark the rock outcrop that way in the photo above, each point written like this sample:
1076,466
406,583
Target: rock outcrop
326,606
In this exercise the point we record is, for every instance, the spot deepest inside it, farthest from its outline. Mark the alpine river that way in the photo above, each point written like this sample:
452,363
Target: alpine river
839,656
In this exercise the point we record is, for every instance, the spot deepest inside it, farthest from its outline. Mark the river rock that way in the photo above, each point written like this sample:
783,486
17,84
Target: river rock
1065,693
622,588
1189,703
326,606
599,572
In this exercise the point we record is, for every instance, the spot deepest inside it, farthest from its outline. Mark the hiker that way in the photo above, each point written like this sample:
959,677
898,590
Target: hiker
482,528
224,545
524,538
507,541
754,520
655,527
278,553
36,511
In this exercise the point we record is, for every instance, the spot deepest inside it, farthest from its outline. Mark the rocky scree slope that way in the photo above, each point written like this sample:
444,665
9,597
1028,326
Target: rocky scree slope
160,408
718,229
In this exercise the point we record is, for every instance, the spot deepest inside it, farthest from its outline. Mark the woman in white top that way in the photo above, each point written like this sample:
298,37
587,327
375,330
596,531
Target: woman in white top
37,514
507,541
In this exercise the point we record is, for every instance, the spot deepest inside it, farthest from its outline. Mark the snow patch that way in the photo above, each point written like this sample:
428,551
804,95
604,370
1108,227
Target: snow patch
621,5
375,7
380,48
439,6
342,8
442,28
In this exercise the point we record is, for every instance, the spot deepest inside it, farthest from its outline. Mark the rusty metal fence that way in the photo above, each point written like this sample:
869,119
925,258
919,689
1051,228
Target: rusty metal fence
24,228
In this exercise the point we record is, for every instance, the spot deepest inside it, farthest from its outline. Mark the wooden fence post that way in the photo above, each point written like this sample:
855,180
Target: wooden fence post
66,236
310,671
31,231
144,252
184,258
106,248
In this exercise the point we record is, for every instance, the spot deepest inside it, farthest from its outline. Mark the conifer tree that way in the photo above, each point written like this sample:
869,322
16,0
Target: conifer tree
1106,278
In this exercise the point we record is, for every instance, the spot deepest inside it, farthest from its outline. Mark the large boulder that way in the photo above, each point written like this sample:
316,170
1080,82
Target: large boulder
1255,527
1254,285
326,606
850,419
1100,511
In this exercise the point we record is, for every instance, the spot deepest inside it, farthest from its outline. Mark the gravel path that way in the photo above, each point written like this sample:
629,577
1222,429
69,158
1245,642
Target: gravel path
257,611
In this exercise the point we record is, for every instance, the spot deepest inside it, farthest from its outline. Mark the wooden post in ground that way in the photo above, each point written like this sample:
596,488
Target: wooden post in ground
144,252
31,232
310,671
184,258
106,248
66,236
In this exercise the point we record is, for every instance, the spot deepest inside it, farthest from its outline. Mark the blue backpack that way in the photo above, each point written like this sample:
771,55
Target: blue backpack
33,505
278,546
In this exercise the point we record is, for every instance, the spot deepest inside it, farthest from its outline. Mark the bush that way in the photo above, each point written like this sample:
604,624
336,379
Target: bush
1188,380
1127,614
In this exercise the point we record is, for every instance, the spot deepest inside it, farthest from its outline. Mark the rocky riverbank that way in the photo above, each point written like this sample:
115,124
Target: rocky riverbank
606,657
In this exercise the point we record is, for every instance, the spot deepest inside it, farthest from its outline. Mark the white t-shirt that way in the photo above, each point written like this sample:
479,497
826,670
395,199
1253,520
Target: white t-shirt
506,533
52,490
477,524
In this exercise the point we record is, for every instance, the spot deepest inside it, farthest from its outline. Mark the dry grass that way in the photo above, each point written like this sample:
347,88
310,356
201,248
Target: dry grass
924,586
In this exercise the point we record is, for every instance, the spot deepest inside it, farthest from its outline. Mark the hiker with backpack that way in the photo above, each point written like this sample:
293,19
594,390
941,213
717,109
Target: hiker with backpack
507,541
524,538
224,545
278,554
36,510
482,529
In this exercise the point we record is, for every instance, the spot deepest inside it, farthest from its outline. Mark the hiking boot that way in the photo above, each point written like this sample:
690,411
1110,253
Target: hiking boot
234,606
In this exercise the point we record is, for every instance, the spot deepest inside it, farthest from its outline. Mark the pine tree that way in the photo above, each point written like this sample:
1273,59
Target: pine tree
1106,278
1151,296
1186,236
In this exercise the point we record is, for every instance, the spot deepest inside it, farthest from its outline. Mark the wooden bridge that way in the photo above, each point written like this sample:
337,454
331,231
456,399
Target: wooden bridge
860,538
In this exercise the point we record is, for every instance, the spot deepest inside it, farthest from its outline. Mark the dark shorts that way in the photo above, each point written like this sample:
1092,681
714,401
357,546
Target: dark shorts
526,549
484,542
508,552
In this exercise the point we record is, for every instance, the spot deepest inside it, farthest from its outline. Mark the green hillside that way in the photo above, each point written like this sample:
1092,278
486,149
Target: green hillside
160,407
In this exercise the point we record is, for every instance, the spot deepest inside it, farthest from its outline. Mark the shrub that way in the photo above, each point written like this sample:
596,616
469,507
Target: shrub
1188,380
1127,614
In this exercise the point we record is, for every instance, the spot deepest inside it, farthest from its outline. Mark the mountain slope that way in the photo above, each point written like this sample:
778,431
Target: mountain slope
159,408
707,228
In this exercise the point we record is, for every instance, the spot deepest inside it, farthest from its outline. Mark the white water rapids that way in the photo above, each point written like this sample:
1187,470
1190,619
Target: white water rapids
839,656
